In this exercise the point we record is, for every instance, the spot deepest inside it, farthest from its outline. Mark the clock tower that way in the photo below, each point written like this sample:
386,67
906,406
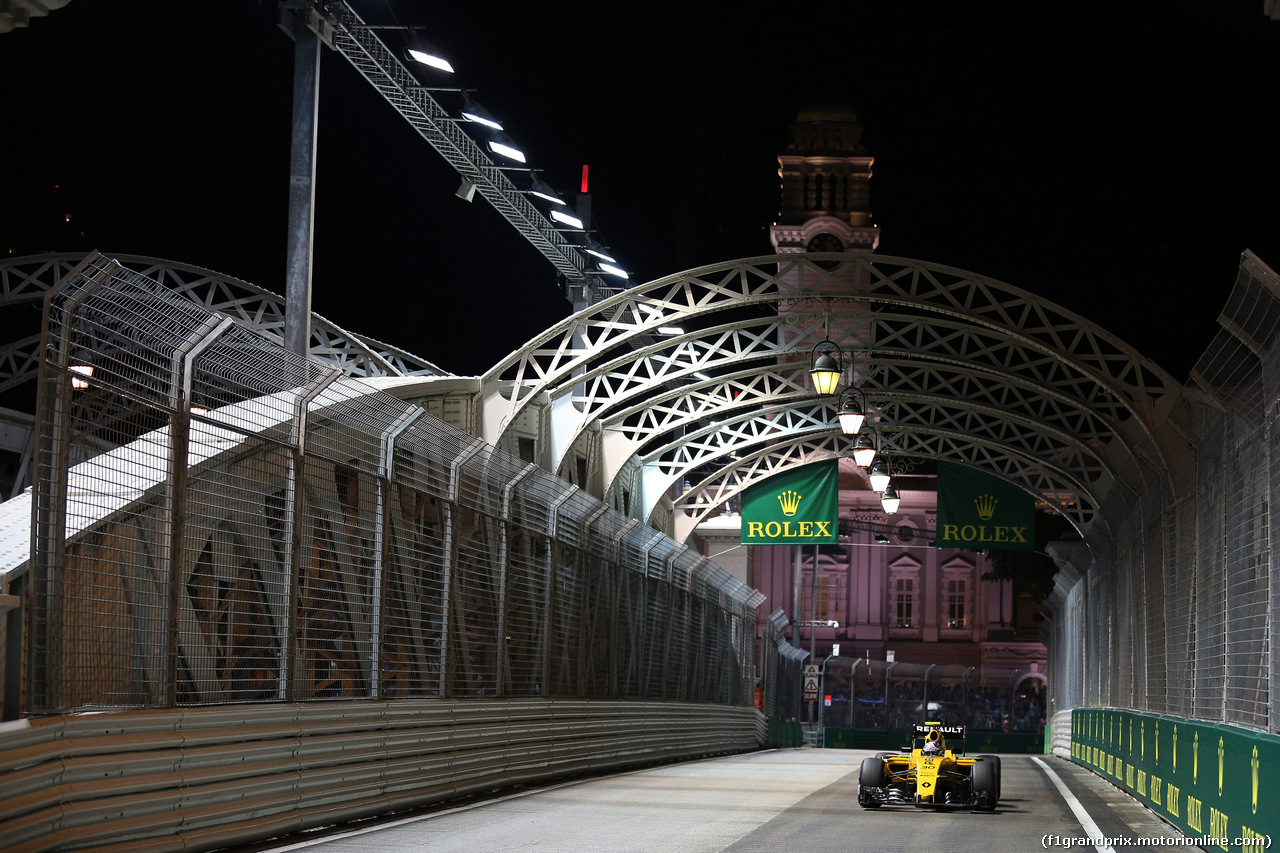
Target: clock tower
826,175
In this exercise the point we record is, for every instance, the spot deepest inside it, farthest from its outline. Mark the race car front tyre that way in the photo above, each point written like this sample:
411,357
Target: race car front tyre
983,780
870,775
994,759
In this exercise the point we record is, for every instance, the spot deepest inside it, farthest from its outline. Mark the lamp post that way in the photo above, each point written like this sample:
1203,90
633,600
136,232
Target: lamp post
813,635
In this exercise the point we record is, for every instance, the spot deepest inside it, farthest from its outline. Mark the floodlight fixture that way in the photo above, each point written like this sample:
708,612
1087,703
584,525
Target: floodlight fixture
566,219
500,144
591,250
421,50
670,331
544,192
612,270
473,112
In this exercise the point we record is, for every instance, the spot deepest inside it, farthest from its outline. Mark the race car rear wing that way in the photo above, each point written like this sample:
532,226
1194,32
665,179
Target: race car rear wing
945,732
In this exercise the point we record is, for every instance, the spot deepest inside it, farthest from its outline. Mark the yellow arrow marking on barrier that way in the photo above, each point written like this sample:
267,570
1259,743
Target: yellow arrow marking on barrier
1222,752
1254,765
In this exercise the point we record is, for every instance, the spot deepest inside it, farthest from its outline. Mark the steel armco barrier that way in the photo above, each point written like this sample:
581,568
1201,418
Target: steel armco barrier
203,778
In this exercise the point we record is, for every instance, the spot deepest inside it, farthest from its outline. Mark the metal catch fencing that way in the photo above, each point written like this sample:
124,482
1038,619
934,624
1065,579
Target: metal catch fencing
783,671
219,521
1172,607
858,693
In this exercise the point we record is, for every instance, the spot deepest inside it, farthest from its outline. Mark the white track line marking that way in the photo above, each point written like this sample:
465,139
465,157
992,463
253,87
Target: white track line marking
1086,822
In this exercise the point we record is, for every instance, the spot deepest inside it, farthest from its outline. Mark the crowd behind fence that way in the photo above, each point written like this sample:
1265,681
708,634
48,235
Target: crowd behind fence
869,694
219,521
1169,607
859,693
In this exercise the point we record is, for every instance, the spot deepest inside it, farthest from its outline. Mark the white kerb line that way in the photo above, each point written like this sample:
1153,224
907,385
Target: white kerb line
1090,828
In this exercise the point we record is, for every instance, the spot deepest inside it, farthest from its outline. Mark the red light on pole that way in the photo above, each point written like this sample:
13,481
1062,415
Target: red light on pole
584,177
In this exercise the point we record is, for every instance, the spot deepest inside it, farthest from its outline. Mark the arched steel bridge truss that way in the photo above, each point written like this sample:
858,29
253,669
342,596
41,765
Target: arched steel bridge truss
27,279
953,366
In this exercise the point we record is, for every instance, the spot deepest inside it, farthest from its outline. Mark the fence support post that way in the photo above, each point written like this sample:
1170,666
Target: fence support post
382,542
294,504
504,569
450,556
179,444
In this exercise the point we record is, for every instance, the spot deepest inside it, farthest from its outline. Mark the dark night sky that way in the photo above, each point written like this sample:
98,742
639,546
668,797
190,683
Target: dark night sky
1115,158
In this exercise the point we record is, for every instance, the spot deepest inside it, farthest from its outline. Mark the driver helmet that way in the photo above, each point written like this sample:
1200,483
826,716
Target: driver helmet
932,748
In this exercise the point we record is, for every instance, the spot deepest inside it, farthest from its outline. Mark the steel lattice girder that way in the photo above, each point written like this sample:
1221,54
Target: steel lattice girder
995,377
1029,414
745,431
1071,499
27,279
639,418
1055,334
1027,469
640,370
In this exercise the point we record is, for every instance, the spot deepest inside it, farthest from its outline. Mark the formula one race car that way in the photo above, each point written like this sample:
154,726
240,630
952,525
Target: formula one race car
933,771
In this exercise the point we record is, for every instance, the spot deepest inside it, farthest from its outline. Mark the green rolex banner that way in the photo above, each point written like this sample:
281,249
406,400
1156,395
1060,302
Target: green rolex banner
797,507
977,511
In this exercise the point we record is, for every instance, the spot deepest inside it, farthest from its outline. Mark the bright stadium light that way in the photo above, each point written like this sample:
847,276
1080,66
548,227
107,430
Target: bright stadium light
425,52
566,219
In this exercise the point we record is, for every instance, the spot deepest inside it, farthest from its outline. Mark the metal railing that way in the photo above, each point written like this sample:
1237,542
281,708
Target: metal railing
263,529
192,779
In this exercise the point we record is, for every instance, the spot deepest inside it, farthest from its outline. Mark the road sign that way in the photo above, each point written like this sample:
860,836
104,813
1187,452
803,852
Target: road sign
812,673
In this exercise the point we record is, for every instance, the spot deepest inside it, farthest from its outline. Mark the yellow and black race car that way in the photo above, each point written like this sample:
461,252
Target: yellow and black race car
933,771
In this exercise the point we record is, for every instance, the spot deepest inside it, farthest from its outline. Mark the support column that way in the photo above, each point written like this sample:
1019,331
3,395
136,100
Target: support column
302,185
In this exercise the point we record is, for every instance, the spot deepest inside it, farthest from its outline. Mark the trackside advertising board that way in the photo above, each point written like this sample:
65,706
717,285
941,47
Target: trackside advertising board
1219,784
977,511
797,507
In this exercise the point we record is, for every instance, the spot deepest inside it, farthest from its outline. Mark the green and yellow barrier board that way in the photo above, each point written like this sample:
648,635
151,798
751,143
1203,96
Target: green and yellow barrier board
1210,780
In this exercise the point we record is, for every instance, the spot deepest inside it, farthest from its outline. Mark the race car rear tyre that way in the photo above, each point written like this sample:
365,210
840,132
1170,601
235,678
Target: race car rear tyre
994,759
870,775
983,780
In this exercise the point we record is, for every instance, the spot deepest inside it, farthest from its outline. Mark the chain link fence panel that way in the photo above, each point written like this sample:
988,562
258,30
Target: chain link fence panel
1172,610
218,521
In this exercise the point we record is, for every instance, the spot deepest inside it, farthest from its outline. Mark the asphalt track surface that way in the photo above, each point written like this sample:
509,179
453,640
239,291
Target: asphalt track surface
779,801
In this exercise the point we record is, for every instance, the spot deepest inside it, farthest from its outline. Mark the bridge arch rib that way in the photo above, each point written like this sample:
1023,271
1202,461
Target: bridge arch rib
27,279
707,367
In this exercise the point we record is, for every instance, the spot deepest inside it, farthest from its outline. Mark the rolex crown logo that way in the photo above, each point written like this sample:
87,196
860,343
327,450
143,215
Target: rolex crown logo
790,500
986,505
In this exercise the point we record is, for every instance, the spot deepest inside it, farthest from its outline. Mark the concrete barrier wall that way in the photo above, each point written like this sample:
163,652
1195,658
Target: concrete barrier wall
1208,779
